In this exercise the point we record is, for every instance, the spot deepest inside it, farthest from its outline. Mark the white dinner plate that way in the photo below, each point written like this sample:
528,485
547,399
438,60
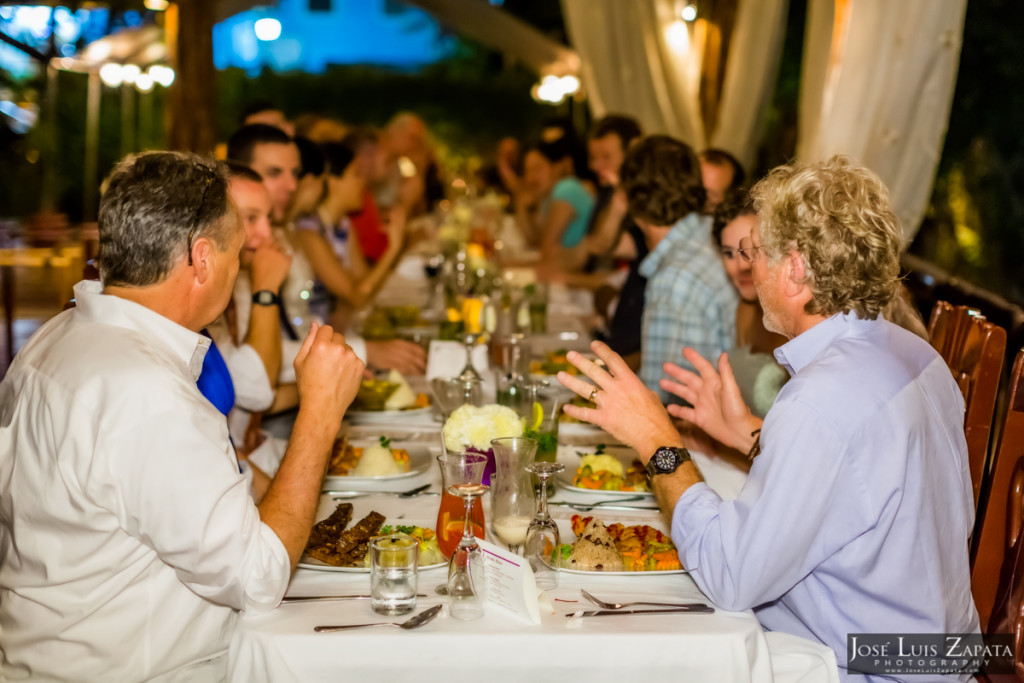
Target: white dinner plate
578,429
565,478
386,416
420,460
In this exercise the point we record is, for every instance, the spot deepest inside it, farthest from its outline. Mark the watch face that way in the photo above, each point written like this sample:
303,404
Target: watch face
665,460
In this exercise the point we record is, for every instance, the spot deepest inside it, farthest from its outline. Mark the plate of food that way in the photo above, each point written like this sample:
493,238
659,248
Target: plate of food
617,549
608,470
374,461
334,546
386,400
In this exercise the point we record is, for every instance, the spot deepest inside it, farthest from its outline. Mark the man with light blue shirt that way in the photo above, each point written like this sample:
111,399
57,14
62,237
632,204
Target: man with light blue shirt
857,512
688,300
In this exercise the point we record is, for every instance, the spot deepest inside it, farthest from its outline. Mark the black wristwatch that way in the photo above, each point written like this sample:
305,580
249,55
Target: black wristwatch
666,460
265,297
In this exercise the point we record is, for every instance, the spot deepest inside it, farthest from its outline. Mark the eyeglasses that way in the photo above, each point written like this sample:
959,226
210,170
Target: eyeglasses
748,250
199,212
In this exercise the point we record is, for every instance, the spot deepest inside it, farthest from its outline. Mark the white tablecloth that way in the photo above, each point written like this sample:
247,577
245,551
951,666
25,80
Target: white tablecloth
281,646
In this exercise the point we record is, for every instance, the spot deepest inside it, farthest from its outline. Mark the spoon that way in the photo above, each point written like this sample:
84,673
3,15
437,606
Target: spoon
619,605
411,623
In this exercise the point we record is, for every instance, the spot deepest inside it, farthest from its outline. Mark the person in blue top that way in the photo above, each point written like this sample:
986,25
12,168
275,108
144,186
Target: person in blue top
856,516
553,206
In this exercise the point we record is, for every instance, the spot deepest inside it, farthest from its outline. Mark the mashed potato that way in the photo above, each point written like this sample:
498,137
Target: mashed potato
377,461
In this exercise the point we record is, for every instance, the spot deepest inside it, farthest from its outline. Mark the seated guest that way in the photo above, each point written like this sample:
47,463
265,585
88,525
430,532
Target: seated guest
758,375
267,113
326,237
253,353
502,175
720,172
552,206
857,512
373,238
129,542
688,299
277,159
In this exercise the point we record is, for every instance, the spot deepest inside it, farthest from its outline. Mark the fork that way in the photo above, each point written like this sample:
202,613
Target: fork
619,605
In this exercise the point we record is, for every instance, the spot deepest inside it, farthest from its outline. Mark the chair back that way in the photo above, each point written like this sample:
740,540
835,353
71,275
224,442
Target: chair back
946,326
977,364
1001,523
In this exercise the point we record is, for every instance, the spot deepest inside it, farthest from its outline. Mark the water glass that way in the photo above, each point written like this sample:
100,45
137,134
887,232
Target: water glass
394,560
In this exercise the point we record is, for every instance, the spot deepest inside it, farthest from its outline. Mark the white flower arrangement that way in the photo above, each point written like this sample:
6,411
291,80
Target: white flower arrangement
473,427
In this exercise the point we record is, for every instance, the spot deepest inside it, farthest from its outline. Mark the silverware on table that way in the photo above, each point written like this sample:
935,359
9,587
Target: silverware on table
619,605
695,608
616,504
411,623
315,598
411,493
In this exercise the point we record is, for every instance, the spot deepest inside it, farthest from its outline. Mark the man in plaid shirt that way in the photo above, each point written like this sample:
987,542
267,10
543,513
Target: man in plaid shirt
689,300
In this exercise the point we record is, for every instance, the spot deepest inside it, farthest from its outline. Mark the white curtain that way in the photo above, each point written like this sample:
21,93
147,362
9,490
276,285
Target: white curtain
877,85
640,59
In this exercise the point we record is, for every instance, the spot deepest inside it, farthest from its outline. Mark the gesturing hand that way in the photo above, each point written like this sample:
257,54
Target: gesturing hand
718,406
626,408
328,371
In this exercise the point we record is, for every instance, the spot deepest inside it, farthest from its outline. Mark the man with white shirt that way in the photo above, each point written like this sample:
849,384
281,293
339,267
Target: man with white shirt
857,512
128,539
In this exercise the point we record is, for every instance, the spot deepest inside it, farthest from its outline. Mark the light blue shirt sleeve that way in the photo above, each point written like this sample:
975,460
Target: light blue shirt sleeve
790,515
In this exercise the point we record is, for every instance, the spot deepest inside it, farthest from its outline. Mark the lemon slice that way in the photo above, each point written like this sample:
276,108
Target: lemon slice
538,416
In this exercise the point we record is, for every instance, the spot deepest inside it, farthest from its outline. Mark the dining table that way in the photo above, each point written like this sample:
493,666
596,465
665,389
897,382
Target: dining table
721,646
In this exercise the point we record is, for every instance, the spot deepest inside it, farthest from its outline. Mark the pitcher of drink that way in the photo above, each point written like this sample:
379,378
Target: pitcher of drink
512,498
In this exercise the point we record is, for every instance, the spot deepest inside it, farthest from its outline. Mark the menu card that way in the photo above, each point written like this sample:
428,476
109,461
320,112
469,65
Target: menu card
510,582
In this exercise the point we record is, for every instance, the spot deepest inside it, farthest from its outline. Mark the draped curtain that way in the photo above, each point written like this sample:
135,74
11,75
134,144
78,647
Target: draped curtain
640,59
877,85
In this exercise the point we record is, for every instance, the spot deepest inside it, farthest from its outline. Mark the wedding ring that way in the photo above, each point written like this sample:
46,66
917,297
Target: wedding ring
593,395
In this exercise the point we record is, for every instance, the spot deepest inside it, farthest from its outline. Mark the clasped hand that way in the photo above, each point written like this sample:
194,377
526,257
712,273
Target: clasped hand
327,370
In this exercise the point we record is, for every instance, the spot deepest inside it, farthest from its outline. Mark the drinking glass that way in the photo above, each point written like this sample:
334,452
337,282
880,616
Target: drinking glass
462,474
512,498
393,564
542,536
540,412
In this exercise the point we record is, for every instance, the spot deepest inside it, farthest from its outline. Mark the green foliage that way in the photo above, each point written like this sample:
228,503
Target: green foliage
975,228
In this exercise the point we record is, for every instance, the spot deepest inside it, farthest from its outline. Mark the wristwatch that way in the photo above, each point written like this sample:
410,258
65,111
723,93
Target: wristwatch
265,297
666,460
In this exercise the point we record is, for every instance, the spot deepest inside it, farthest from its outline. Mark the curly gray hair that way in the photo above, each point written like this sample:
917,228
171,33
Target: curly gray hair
837,216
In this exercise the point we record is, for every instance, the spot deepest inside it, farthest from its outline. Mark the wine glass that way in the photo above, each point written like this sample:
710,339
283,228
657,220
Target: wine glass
455,392
462,474
469,373
542,536
512,498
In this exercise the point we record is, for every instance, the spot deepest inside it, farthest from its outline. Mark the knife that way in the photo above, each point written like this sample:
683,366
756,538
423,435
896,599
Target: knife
314,598
695,608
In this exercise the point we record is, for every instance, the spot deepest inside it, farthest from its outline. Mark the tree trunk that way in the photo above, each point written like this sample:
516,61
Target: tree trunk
191,117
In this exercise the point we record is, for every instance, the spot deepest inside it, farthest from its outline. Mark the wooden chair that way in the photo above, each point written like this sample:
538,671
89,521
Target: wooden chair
977,363
946,326
1000,526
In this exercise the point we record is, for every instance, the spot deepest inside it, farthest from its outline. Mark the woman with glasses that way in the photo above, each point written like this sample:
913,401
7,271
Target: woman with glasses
760,378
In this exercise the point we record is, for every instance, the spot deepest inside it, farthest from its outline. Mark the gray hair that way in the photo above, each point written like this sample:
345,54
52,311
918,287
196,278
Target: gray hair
152,203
